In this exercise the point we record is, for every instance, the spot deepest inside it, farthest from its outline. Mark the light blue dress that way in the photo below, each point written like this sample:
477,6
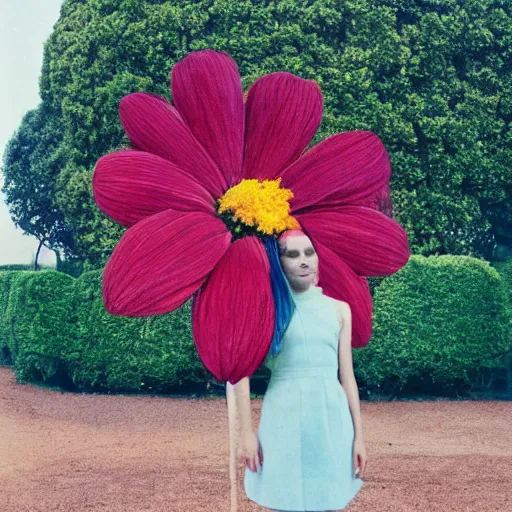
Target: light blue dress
306,430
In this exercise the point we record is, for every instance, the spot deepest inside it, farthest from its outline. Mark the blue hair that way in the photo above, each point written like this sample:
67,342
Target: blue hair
283,301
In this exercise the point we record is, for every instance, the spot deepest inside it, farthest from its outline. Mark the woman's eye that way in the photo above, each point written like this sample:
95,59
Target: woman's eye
294,255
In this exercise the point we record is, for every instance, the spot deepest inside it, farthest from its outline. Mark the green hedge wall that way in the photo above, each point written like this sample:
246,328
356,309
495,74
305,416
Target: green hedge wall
40,323
504,268
437,323
120,353
6,340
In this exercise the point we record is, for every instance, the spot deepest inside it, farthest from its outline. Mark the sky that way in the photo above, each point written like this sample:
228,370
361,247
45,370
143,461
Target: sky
24,27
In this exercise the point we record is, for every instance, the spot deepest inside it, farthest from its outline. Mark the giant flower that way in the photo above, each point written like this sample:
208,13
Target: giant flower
209,176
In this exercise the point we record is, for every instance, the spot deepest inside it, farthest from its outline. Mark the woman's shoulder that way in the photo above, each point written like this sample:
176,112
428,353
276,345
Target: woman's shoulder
340,306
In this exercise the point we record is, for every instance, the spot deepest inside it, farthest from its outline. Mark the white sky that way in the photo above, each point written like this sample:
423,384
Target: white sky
24,27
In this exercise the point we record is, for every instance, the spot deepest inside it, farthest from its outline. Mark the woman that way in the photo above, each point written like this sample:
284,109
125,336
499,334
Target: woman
309,445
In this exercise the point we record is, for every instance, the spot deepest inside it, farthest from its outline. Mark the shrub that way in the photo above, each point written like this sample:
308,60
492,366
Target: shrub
41,325
437,322
130,354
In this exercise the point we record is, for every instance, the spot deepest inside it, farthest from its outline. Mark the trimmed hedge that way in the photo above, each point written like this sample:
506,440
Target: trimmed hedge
41,325
154,353
504,269
437,323
6,339
55,328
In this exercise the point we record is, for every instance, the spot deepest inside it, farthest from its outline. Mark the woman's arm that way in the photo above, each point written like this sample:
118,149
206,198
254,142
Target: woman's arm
243,404
251,451
346,368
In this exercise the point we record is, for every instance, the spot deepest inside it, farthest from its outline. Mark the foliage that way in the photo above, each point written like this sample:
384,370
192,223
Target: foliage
54,328
32,162
438,321
118,353
504,268
432,79
38,322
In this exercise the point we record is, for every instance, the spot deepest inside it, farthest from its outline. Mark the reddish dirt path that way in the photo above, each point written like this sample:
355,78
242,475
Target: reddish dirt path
126,453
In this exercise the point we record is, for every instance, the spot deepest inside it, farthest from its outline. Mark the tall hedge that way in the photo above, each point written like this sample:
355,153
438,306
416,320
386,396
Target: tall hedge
432,79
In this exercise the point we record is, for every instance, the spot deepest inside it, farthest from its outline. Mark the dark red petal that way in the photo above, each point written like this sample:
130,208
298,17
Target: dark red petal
131,185
379,200
207,91
233,313
161,261
366,240
339,281
343,169
154,125
283,113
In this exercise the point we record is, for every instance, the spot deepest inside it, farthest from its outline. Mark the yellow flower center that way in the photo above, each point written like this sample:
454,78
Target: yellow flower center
260,205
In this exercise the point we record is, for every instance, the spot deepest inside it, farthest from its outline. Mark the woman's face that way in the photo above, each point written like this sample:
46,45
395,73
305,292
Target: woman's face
299,261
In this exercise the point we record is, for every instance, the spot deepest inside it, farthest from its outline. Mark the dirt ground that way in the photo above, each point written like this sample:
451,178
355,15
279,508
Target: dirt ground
62,451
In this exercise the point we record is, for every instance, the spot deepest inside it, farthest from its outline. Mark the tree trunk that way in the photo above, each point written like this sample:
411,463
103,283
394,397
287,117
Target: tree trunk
58,264
37,254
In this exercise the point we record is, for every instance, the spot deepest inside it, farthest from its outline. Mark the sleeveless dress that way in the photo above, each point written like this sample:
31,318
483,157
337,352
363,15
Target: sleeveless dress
306,430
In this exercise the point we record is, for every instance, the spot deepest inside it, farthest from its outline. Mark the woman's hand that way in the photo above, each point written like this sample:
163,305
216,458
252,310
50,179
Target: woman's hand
359,456
251,451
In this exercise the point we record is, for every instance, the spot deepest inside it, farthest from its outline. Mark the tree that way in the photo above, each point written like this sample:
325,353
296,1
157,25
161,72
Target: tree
432,79
32,163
